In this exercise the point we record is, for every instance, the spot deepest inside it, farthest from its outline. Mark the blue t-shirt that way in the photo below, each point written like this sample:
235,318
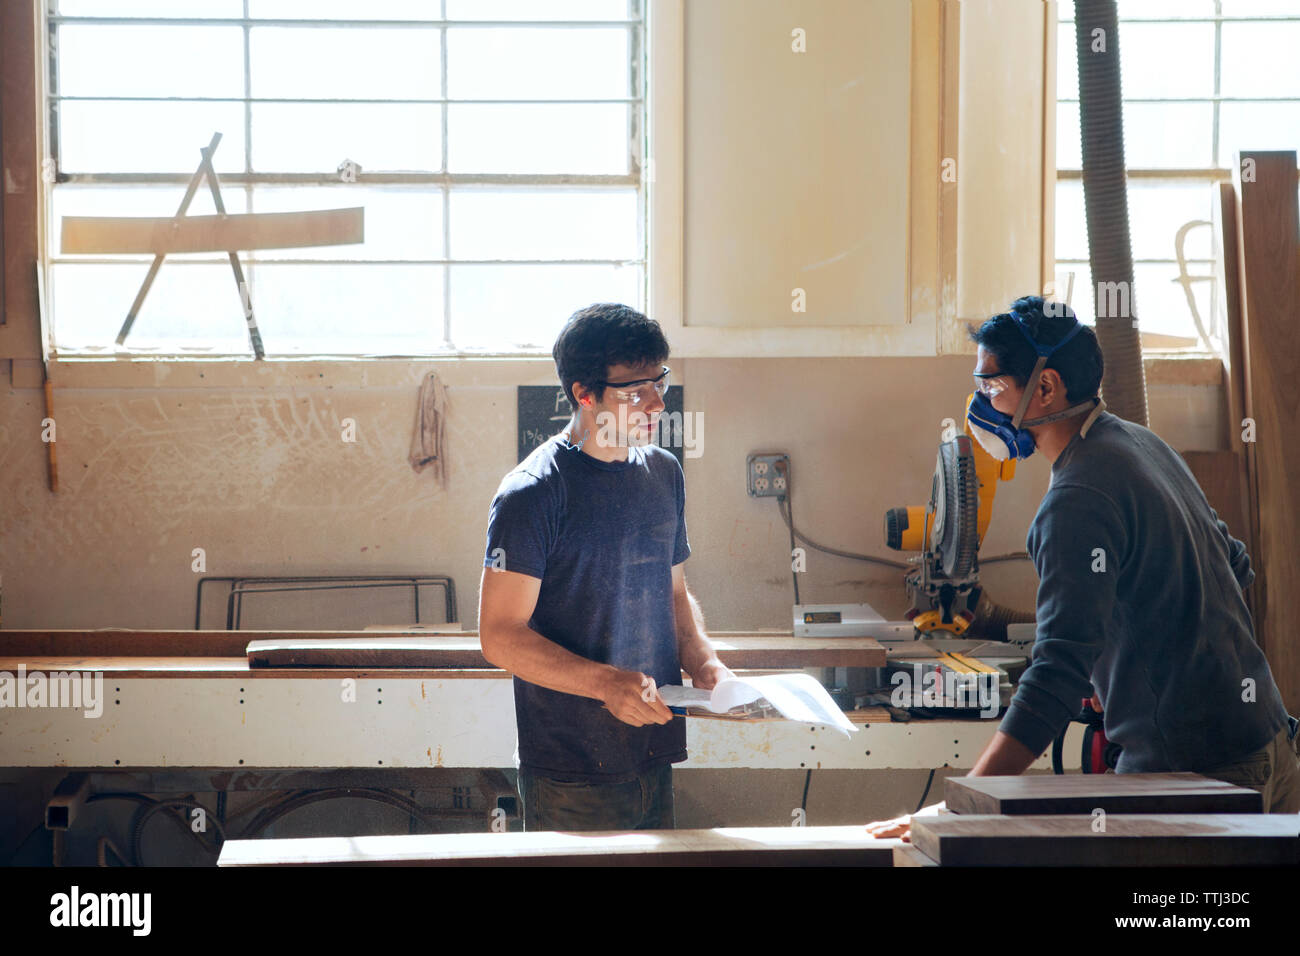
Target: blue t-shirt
1139,596
603,538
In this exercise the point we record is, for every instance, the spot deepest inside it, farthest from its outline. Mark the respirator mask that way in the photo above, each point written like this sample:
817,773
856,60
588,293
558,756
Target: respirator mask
1007,436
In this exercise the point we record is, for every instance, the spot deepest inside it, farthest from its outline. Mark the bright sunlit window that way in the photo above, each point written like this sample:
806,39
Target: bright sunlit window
1202,79
497,146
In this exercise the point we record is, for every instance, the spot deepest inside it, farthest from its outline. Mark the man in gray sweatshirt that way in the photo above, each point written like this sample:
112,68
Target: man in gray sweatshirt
1140,583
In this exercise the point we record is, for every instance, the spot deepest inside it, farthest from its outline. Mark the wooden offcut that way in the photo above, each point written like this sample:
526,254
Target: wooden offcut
732,846
1213,839
87,235
1111,792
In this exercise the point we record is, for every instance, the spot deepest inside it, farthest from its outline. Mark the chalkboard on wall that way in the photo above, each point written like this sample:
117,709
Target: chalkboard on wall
543,411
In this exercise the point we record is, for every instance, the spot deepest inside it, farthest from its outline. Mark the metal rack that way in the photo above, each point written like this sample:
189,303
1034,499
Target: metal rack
239,586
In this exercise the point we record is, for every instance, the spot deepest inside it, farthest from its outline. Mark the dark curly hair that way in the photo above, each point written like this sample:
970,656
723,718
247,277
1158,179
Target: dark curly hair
602,335
1078,362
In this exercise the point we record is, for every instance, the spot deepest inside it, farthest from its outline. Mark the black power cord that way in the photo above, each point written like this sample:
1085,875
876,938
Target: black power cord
793,572
925,794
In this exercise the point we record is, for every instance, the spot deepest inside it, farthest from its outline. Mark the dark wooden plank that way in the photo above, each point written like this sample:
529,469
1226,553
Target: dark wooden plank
1270,289
1219,473
387,651
1216,839
1086,792
20,325
737,846
463,651
125,642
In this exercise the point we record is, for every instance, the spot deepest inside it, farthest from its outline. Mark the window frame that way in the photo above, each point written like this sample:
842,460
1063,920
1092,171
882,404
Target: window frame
635,23
1206,175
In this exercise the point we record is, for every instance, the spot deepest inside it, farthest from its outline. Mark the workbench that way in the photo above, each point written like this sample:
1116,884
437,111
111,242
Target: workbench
191,699
723,846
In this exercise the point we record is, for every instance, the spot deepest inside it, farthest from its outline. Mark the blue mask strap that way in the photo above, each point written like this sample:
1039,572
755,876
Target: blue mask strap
1046,350
1043,352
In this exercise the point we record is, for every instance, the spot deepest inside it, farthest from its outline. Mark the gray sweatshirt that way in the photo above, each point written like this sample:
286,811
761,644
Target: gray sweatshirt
1139,597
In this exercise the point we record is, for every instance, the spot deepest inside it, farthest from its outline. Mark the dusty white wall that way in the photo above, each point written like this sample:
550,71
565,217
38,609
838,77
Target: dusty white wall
259,477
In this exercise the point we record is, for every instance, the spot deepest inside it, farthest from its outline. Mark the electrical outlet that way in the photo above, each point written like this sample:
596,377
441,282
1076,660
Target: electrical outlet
768,476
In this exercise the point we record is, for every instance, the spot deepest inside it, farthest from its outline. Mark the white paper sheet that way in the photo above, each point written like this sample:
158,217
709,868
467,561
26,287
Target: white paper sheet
794,696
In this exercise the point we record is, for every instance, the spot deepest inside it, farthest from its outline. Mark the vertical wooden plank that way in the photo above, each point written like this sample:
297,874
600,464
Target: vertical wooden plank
923,285
1047,236
3,309
1238,377
19,179
1270,293
949,114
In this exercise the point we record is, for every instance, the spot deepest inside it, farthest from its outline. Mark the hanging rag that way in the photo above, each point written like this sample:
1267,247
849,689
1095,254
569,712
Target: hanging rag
430,428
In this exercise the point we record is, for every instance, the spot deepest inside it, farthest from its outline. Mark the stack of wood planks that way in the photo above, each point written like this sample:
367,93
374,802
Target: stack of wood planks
1157,819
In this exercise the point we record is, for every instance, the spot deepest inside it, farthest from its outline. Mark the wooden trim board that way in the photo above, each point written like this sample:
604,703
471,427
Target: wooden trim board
1217,839
1111,792
732,846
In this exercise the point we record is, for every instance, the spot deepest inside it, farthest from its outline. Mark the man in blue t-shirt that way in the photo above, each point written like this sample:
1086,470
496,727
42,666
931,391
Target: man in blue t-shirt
583,596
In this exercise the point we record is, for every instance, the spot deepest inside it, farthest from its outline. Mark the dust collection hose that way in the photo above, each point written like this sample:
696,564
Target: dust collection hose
1110,251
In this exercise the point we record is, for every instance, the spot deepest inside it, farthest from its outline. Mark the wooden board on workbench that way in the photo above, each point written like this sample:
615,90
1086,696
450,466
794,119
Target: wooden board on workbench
1086,792
127,642
456,648
425,652
732,846
464,651
1139,839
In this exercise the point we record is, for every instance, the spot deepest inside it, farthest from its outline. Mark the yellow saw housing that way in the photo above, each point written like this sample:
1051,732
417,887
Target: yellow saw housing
914,534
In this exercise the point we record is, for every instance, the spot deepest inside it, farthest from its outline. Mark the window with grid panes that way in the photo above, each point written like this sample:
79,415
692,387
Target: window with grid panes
499,145
1202,79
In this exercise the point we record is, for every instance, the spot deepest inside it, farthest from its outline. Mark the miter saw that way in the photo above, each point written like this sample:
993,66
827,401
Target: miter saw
950,649
953,637
944,587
